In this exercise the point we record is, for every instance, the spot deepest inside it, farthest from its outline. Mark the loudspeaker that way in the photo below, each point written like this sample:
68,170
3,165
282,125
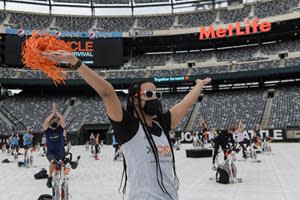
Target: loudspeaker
198,153
191,64
283,55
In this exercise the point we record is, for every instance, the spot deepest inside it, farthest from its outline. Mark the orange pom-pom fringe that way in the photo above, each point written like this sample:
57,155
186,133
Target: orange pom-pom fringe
44,42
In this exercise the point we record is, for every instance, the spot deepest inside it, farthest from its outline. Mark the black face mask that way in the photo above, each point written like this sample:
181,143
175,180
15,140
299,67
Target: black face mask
54,125
152,107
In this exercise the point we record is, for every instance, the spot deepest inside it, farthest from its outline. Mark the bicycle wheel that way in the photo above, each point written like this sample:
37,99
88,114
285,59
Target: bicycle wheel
64,191
55,192
55,188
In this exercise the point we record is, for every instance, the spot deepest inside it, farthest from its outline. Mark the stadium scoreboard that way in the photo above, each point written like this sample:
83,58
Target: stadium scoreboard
98,52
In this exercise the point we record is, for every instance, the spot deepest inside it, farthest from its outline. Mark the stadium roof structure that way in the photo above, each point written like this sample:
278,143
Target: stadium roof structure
169,6
115,1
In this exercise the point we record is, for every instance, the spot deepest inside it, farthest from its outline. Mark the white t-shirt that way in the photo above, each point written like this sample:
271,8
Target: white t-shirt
141,168
211,135
141,165
238,136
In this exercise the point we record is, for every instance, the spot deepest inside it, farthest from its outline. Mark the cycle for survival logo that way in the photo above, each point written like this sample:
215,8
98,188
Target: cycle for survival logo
83,50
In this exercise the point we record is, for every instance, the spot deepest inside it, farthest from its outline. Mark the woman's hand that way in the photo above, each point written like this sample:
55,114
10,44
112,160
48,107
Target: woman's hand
203,81
60,56
179,110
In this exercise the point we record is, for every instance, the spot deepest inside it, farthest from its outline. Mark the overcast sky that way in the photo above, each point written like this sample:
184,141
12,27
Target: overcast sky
99,11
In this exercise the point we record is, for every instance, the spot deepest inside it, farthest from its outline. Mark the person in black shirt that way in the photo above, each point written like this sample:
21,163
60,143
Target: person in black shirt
204,131
256,135
93,143
223,139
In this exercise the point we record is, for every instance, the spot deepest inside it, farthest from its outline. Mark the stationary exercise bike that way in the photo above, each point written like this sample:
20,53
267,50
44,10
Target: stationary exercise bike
226,172
266,147
60,181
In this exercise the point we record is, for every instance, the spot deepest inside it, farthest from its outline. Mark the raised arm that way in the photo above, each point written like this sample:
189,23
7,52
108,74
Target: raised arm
47,120
241,126
54,107
100,85
179,110
202,121
61,119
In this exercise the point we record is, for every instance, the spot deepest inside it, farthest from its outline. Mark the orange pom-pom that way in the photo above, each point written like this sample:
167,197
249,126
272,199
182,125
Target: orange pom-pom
44,42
